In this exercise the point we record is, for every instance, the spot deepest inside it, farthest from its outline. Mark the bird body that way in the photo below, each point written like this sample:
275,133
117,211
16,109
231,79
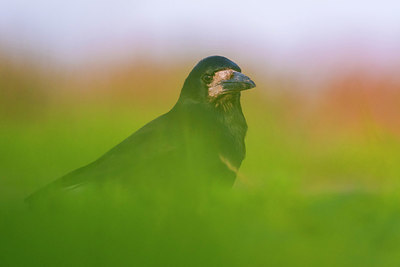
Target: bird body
200,141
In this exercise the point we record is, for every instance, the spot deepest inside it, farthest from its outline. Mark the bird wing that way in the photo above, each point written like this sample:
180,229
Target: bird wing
141,154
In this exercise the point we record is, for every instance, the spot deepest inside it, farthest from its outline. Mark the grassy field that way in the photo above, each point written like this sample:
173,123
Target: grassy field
319,185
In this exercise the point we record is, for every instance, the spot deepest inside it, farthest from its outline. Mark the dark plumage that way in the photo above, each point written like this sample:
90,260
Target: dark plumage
200,141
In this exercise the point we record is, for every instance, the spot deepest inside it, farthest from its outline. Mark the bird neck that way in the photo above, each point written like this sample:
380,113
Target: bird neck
229,113
225,109
224,122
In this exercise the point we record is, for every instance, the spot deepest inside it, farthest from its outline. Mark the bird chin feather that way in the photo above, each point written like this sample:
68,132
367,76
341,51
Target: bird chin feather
224,102
222,99
215,90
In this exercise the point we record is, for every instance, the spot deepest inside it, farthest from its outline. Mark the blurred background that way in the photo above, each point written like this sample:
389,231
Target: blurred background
77,77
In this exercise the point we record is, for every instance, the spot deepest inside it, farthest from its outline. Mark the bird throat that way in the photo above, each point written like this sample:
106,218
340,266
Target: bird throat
226,102
228,111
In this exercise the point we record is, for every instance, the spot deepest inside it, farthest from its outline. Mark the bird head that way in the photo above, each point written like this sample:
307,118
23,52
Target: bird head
215,80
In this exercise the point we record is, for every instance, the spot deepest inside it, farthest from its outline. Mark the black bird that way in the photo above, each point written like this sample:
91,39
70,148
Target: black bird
200,141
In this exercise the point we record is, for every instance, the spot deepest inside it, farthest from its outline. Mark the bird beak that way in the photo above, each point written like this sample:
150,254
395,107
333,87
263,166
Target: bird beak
238,82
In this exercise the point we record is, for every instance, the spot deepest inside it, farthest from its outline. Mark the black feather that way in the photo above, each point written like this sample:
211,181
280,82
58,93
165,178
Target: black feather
198,142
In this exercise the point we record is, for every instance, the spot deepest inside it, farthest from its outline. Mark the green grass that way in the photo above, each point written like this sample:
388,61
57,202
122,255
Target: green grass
301,199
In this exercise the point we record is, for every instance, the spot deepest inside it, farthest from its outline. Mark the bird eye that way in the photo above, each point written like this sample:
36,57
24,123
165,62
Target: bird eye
207,78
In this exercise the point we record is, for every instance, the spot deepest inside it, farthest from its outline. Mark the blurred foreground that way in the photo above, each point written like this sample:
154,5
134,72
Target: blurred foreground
319,185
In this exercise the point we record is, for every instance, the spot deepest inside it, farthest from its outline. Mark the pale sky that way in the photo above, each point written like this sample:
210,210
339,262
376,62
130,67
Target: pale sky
71,30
